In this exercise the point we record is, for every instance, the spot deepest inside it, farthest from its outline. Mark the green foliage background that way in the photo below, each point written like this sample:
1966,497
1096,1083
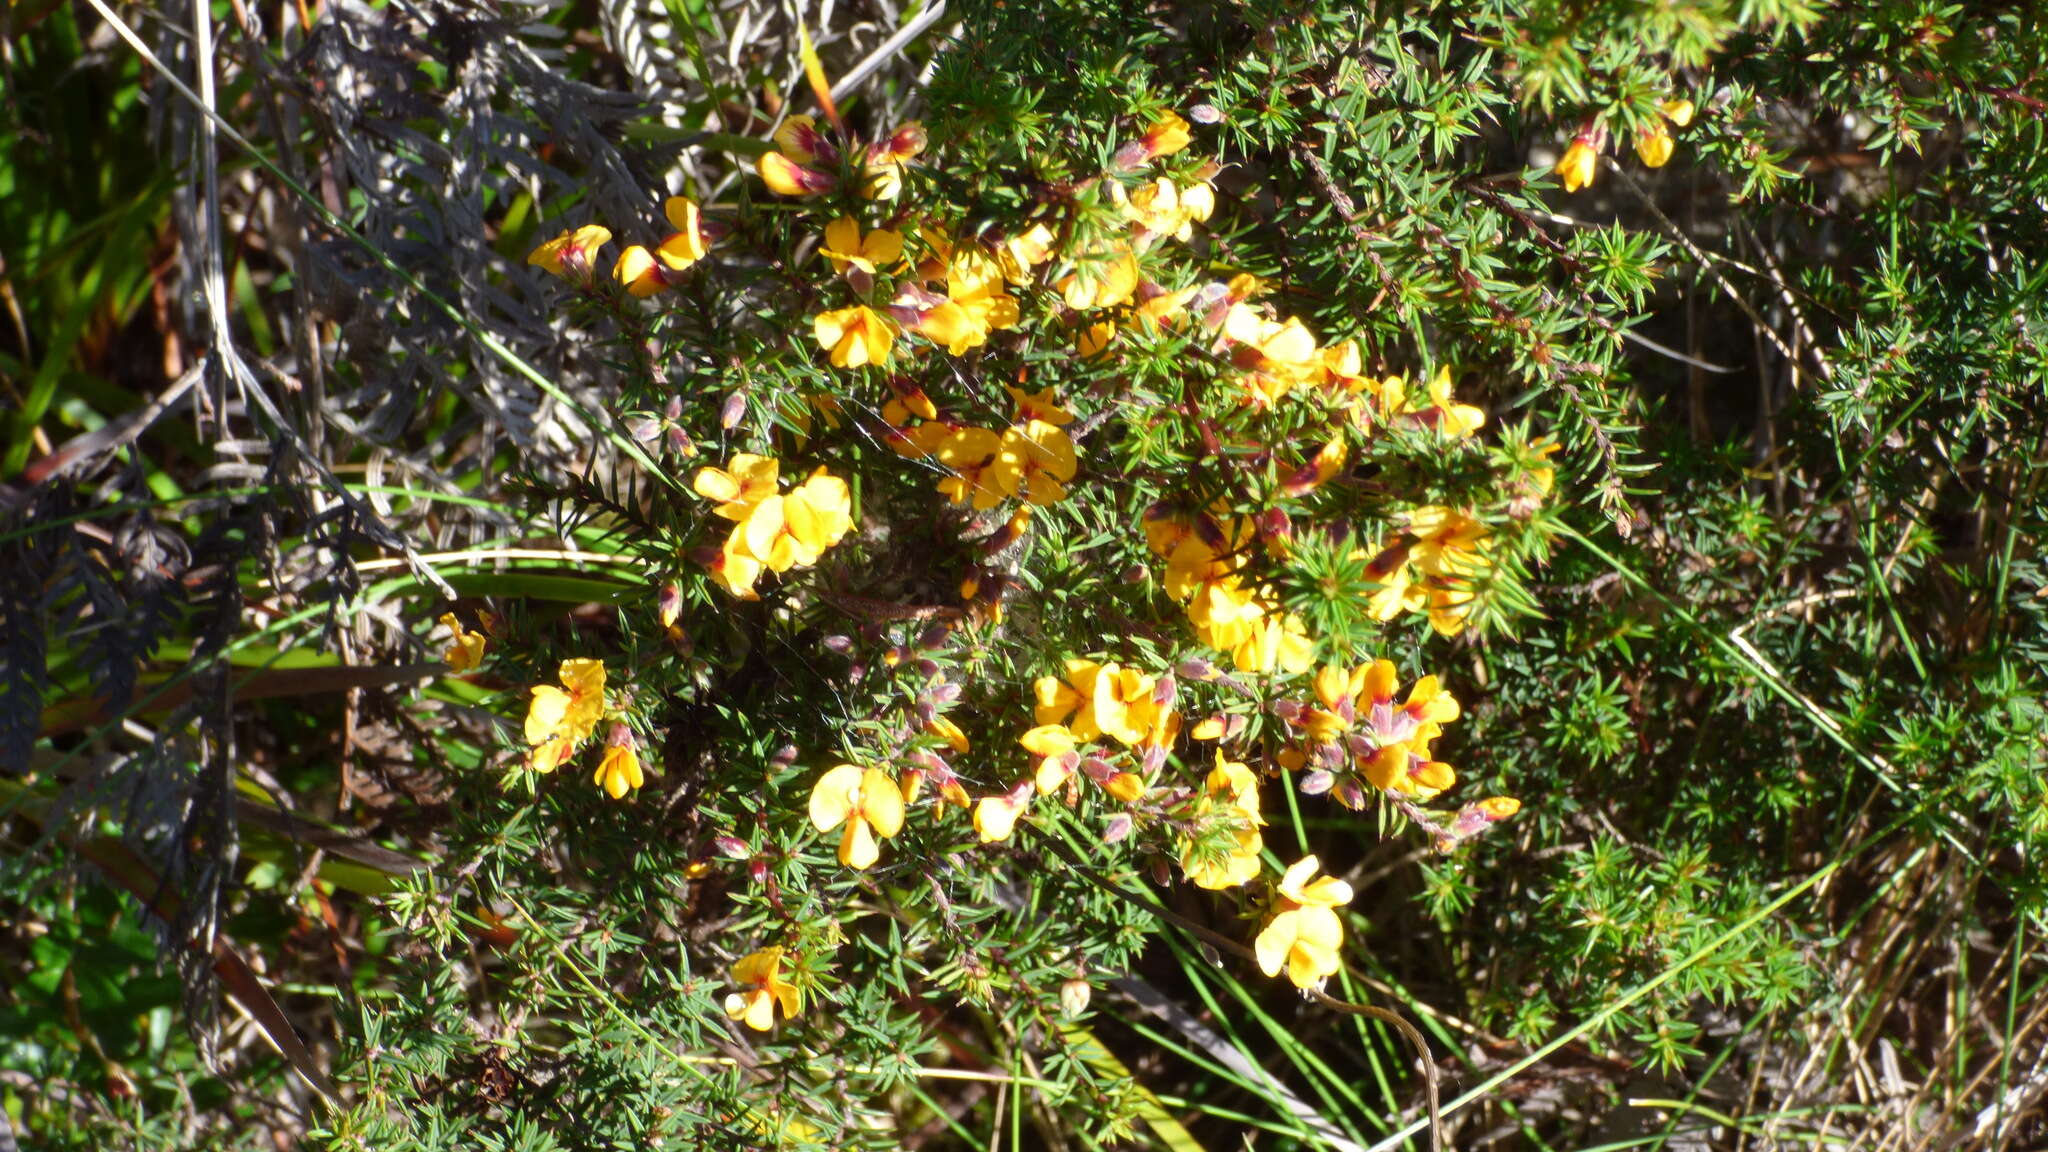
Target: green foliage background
1765,673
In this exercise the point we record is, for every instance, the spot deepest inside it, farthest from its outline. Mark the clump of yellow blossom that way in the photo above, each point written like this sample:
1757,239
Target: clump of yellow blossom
772,531
762,988
1355,736
558,720
1032,460
808,161
1206,557
1229,798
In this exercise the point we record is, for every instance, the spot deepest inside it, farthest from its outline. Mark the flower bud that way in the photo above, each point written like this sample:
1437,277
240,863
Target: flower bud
733,847
1350,794
1074,997
1317,782
1119,827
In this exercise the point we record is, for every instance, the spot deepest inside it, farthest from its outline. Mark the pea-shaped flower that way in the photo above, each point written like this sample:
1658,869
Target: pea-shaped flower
866,801
1304,933
759,975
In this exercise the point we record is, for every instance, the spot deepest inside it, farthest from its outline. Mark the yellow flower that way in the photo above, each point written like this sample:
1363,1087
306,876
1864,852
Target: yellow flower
1328,461
1019,254
995,817
866,801
1277,642
467,651
619,771
1579,164
1677,110
1230,793
1396,769
1093,340
1449,604
1103,700
759,974
884,162
1167,135
1101,282
974,281
687,244
571,254
1304,934
772,531
558,719
970,453
1359,724
1455,420
946,730
1225,613
855,336
801,142
741,488
1448,542
845,246
786,177
815,516
1654,145
1157,307
1038,406
1035,462
1275,354
736,571
637,270
1163,208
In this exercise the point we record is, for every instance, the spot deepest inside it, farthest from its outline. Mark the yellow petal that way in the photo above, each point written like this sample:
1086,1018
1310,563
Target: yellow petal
834,795
995,817
716,484
857,847
881,802
545,713
1274,943
762,527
